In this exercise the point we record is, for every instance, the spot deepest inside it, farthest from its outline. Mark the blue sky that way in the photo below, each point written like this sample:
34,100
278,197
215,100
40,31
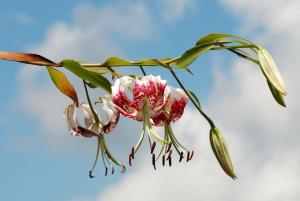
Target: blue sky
41,161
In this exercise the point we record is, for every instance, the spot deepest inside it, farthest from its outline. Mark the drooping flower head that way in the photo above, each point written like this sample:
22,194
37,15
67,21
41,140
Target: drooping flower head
94,126
156,104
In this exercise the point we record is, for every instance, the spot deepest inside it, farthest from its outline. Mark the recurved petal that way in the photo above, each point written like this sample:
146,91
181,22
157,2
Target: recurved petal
89,119
111,112
72,122
176,104
124,105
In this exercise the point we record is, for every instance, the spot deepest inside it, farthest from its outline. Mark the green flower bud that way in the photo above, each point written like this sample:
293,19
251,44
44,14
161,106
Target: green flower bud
270,70
278,96
221,152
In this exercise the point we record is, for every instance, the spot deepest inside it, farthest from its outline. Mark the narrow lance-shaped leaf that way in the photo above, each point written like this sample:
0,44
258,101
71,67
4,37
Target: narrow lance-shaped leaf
91,76
221,152
270,70
62,83
28,58
191,55
218,37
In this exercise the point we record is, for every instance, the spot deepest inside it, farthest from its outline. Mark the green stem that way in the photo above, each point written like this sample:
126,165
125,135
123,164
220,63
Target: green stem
92,65
108,153
90,103
211,123
137,146
143,70
97,154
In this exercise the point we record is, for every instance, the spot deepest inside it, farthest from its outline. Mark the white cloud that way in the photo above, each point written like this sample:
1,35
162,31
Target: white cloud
174,10
262,136
272,15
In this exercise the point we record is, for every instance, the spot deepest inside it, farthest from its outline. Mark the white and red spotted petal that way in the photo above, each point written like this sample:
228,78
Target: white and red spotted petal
124,105
159,119
72,122
151,89
176,104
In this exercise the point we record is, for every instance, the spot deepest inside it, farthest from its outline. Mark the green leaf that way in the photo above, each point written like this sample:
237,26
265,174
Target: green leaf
101,70
217,37
278,96
270,70
191,55
63,84
91,76
92,86
116,61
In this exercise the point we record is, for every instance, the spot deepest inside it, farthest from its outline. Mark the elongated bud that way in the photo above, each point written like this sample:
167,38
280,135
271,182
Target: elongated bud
270,70
278,96
221,152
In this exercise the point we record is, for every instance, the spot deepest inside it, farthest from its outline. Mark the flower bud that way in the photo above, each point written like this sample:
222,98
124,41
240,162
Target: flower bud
221,152
278,96
270,70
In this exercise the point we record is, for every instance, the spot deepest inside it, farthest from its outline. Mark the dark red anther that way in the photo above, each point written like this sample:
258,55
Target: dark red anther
169,155
170,161
153,147
106,171
188,156
181,157
132,152
130,158
169,147
112,170
163,160
91,174
153,161
192,154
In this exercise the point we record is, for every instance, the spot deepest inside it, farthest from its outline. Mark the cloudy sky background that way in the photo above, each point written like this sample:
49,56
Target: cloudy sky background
40,161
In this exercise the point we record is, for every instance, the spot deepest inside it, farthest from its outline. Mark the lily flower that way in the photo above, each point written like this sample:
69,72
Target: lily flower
155,104
94,127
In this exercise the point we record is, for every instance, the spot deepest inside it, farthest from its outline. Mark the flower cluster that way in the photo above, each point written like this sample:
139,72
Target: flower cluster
153,102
